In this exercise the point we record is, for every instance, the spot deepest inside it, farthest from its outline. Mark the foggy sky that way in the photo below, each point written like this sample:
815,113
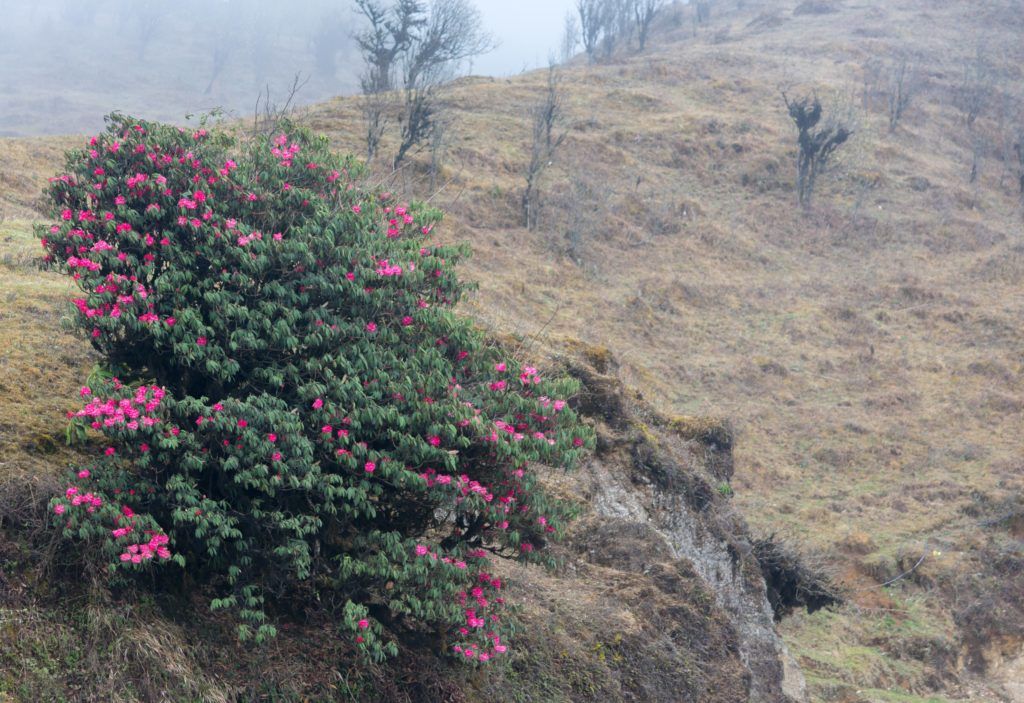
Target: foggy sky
528,31
66,63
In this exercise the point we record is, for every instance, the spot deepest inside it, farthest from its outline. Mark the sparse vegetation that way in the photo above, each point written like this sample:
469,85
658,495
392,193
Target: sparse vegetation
426,43
816,144
547,118
904,84
867,350
644,12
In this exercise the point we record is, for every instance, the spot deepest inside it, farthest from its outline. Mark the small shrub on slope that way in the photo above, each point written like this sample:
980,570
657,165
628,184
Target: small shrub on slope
291,410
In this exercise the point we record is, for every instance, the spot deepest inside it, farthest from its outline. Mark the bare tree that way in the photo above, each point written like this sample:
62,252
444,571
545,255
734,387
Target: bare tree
644,12
975,88
972,97
268,114
452,33
391,31
584,211
618,24
605,25
416,120
980,144
570,37
816,144
221,52
702,9
376,109
547,119
1018,149
438,147
871,75
592,19
904,84
428,43
149,16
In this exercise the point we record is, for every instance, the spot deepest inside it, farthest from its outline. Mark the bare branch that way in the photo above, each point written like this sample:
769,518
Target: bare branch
547,119
816,144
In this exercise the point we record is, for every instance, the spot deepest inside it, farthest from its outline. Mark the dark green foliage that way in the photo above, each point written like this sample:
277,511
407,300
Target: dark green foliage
296,405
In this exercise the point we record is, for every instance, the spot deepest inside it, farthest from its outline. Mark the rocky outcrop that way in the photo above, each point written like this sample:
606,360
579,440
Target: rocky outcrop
664,482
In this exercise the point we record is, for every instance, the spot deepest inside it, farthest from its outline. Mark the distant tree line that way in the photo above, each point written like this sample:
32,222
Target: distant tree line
410,49
604,26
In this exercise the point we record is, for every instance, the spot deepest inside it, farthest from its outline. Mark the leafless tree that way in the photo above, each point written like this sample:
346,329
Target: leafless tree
605,25
584,210
428,42
391,31
592,20
1018,149
149,16
972,98
618,25
980,144
702,9
438,148
452,33
570,37
871,76
621,25
221,52
547,118
904,84
975,88
376,109
644,12
416,120
268,114
817,144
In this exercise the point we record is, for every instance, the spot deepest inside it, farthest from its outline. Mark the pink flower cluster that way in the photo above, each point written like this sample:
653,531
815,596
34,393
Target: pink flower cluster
246,238
155,547
479,612
384,268
126,291
133,412
423,551
399,216
77,498
284,151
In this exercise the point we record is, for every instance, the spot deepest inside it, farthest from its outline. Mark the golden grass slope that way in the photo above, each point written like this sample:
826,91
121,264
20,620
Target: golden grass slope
868,352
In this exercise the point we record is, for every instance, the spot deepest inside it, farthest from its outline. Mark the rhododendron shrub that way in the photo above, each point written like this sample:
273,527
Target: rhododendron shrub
292,411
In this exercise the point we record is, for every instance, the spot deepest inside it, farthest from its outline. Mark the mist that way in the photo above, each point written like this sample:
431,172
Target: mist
66,63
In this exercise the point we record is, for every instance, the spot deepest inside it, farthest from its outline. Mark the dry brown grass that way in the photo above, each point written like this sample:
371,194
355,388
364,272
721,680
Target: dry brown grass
867,354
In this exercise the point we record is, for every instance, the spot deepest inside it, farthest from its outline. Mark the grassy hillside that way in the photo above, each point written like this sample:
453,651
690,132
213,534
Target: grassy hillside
868,351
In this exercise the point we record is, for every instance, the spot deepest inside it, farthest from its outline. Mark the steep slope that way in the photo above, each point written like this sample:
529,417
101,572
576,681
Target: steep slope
867,352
